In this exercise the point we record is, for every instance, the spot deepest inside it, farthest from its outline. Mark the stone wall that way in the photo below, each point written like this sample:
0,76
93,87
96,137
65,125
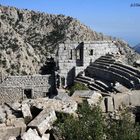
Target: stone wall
10,94
16,88
73,58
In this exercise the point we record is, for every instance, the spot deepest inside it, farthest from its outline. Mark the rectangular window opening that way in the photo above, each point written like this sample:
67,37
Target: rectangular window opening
91,52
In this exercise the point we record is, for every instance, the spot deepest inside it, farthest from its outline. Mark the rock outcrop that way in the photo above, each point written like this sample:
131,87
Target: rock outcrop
28,37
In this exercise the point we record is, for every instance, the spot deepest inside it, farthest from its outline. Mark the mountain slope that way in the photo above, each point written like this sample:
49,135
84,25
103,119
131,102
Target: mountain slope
137,48
28,37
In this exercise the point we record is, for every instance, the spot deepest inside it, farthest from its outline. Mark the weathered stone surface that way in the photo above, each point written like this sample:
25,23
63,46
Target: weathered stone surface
12,138
17,129
46,137
94,99
43,121
120,99
2,115
26,112
102,106
16,106
134,98
30,135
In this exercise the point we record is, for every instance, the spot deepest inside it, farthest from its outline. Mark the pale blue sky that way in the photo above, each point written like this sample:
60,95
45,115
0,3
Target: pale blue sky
111,17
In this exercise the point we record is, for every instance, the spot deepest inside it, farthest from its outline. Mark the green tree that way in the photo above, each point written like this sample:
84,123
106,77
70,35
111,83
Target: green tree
123,129
89,125
77,86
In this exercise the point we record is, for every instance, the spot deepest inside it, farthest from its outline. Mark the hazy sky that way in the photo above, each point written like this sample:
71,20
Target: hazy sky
111,17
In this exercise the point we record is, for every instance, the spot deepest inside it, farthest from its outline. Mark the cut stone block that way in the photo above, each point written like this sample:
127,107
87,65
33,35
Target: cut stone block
94,99
26,112
30,135
46,137
120,99
12,138
43,121
110,107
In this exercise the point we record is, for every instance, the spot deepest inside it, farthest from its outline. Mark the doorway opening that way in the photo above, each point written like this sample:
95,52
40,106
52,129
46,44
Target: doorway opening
28,93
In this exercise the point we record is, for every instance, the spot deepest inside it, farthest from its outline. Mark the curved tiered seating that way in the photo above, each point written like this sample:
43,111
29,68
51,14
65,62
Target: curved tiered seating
107,69
109,76
93,84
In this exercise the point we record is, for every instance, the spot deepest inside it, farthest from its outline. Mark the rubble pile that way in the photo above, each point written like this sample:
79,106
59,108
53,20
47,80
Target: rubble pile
32,119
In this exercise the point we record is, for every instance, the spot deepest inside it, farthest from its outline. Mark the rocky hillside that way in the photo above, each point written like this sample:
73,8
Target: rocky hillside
27,38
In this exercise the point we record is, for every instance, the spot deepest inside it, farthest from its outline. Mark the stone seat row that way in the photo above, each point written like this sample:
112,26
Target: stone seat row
114,65
108,75
96,85
135,79
125,66
119,65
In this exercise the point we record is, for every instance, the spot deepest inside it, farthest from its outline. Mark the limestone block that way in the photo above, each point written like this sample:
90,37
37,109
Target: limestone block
30,135
102,106
46,137
12,138
43,121
69,107
134,98
121,99
2,115
110,107
26,112
16,106
94,99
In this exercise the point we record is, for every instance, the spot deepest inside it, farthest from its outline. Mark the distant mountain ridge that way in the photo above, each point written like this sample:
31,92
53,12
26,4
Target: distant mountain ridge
28,37
137,48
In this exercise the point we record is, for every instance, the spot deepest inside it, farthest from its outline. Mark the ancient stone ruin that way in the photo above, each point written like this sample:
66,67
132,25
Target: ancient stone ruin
29,103
73,58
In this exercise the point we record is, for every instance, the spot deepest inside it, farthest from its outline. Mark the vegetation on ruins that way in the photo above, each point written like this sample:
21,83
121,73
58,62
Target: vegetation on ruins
91,124
77,86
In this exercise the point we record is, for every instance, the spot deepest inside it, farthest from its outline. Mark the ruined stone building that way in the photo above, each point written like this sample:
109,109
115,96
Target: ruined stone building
74,57
18,88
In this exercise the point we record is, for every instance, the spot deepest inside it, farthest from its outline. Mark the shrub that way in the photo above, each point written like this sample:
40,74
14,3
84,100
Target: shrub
91,124
77,86
88,126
